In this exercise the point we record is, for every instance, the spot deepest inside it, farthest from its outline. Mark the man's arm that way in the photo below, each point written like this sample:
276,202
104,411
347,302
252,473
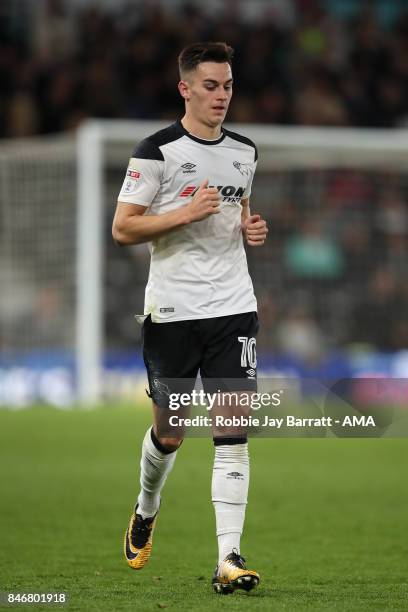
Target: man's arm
254,228
131,226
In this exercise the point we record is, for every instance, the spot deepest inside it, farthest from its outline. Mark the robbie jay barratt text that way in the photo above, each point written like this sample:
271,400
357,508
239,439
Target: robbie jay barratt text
276,423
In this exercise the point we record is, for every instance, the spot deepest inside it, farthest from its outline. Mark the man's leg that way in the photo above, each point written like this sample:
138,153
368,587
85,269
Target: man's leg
227,368
229,492
156,463
170,361
159,450
157,460
230,483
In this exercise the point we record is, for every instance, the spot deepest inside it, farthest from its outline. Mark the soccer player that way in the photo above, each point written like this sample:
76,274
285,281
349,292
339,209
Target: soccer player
186,193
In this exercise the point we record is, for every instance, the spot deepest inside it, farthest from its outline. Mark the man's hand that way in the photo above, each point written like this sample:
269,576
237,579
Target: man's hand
205,202
255,230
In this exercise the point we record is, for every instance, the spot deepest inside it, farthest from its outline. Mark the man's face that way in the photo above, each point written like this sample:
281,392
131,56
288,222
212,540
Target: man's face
207,91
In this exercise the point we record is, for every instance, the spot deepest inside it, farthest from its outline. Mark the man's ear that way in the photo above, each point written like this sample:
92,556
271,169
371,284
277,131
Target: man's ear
184,90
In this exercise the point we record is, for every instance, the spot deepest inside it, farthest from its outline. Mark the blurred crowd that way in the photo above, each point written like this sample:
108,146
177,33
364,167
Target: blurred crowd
61,62
331,275
336,261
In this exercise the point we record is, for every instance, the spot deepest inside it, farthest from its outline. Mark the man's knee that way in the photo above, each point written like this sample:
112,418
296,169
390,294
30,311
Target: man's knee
169,443
164,442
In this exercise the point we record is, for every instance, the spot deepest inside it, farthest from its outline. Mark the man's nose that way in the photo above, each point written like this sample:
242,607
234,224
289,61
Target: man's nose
222,94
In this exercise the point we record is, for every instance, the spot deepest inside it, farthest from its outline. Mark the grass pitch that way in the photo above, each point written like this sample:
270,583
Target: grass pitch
326,526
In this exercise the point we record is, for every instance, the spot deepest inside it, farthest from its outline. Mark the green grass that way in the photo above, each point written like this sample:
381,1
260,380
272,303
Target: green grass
326,526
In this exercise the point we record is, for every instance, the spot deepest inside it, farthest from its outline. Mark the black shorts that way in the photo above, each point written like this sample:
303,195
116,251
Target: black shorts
222,349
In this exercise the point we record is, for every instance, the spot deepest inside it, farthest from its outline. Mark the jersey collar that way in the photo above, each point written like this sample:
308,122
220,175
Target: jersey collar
200,140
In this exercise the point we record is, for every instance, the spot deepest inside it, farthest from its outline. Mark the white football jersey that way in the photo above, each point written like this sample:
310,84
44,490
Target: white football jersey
199,270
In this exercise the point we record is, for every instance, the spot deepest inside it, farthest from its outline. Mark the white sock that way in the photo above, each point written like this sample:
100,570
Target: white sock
229,495
155,466
227,542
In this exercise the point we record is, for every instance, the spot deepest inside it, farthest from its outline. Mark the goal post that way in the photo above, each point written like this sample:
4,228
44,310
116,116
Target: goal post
89,262
92,139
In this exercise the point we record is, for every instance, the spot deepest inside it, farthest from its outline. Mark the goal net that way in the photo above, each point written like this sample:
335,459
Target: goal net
37,270
332,268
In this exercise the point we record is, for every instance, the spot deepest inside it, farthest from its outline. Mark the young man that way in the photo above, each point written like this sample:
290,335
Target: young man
193,179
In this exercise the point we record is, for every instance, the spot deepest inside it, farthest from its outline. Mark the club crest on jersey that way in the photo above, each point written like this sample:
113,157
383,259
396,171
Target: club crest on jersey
244,169
229,193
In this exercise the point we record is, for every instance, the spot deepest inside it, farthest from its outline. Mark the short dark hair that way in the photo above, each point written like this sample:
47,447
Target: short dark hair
197,53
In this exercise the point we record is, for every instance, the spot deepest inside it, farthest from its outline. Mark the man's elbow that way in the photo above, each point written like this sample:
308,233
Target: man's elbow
118,235
121,237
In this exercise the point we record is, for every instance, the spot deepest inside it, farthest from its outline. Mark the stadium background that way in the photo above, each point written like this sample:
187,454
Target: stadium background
331,280
331,283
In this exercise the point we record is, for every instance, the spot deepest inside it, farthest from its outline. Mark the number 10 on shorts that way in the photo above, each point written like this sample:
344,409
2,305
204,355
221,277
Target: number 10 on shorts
248,351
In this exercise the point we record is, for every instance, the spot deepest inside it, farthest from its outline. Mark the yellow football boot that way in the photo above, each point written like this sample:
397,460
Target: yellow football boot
138,540
232,574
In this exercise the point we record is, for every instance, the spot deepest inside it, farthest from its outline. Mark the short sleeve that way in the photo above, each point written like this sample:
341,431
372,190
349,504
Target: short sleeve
251,174
143,175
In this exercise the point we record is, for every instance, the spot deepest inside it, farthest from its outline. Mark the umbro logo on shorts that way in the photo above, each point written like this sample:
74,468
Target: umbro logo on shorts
251,373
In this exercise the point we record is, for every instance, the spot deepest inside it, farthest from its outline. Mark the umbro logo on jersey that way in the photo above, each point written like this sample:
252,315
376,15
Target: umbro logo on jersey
229,193
244,169
188,168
